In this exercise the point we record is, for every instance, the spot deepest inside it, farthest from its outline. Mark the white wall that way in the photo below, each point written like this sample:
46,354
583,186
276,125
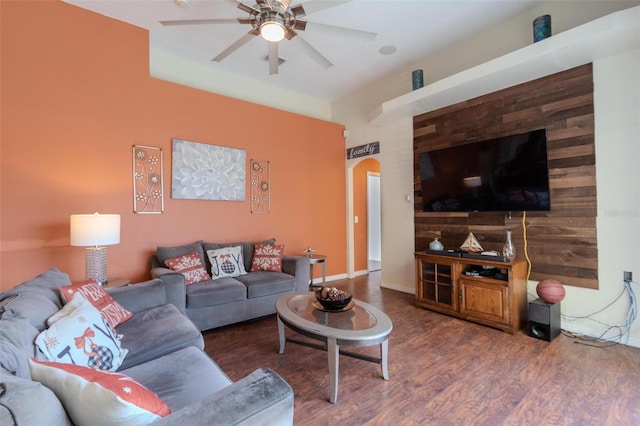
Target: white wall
617,122
616,91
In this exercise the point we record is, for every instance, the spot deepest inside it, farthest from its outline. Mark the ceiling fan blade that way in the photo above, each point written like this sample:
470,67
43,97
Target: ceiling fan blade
199,22
311,6
300,25
289,34
273,58
313,53
285,3
298,10
249,9
341,31
234,46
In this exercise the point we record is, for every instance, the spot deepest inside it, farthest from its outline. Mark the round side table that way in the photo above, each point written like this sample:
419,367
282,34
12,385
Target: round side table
313,260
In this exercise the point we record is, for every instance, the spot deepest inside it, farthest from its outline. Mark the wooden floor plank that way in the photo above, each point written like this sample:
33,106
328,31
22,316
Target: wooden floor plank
443,371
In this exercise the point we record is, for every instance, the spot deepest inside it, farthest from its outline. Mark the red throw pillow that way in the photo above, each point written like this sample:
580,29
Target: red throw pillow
111,310
190,266
97,397
267,257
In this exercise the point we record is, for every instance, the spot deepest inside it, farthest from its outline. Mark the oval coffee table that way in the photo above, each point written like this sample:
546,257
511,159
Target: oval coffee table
363,325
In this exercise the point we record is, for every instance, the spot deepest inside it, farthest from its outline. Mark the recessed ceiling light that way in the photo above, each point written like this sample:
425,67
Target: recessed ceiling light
387,50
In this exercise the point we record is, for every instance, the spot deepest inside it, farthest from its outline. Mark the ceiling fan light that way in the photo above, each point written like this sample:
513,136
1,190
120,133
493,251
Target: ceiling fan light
272,31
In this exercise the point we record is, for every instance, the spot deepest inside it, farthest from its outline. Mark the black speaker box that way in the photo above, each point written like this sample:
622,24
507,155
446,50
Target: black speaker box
544,320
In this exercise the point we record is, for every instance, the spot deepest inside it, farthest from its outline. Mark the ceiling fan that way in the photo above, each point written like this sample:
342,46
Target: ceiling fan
275,20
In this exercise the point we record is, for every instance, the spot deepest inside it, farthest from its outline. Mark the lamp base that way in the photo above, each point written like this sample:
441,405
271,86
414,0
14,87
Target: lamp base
96,264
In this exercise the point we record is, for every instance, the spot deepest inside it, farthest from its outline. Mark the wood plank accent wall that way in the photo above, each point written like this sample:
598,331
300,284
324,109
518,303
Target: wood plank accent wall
561,243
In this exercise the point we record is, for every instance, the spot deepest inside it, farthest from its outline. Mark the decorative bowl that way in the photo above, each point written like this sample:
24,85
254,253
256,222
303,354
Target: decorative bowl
333,299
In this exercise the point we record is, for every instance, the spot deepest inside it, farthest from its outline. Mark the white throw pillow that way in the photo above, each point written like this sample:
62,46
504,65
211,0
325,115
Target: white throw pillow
82,337
93,397
226,262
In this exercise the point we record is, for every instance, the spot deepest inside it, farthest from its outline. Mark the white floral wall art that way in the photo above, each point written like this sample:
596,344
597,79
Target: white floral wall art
148,181
207,172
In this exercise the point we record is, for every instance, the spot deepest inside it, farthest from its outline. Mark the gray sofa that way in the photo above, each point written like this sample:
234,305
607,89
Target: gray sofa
165,355
228,300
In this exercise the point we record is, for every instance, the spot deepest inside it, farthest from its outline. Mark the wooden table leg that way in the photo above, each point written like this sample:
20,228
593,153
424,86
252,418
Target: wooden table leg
333,353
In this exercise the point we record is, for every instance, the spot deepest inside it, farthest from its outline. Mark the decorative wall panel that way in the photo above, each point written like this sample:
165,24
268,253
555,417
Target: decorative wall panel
561,243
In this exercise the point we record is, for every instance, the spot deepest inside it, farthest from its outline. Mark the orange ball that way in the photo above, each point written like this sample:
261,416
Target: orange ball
550,290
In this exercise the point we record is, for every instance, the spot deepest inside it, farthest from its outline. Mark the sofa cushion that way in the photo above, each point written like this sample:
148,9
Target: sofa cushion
267,257
247,249
180,378
16,343
25,402
93,397
82,337
266,283
155,332
226,262
35,307
45,284
91,291
218,292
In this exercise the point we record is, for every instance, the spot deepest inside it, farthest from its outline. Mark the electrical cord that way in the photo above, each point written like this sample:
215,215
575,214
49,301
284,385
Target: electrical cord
526,251
524,237
603,340
600,341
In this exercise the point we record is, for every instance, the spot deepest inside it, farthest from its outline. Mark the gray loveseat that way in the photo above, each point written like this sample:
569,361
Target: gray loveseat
165,355
228,300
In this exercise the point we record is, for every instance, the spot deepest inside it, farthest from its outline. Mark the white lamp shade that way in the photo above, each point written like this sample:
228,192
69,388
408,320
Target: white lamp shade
95,229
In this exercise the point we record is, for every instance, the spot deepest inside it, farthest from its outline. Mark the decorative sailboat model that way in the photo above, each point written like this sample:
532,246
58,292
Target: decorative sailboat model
471,244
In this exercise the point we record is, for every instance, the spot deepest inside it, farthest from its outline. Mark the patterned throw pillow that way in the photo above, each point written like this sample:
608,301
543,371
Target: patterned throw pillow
113,312
226,262
267,257
93,397
190,266
83,337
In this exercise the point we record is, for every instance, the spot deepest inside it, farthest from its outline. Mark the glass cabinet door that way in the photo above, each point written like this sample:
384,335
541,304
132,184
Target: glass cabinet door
436,284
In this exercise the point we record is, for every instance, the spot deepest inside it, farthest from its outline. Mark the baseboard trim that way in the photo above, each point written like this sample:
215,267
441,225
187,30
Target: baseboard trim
399,287
330,278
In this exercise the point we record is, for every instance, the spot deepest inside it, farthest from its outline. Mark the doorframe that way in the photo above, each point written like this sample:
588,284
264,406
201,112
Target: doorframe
351,164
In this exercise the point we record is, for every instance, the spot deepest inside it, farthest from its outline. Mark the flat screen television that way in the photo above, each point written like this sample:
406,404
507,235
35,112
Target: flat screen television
509,173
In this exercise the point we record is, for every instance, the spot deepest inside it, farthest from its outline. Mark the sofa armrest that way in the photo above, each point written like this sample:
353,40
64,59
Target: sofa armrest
297,266
262,397
169,288
158,271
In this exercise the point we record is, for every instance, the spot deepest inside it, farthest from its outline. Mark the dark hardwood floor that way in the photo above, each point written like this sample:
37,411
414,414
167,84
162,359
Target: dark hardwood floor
443,371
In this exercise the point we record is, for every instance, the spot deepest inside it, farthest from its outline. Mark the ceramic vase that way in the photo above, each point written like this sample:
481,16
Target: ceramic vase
541,28
417,79
436,245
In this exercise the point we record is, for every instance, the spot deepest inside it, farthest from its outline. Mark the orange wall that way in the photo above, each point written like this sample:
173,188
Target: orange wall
360,229
76,95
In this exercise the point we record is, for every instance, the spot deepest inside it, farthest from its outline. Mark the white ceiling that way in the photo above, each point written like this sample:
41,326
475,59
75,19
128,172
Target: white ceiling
416,28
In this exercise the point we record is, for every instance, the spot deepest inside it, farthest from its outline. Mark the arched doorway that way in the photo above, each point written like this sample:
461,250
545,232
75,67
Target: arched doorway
366,220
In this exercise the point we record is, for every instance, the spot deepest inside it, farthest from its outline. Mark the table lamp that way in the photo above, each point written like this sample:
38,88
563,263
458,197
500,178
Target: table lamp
95,231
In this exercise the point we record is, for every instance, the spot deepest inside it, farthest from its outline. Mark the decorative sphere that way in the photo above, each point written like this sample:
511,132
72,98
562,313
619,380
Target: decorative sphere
550,290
